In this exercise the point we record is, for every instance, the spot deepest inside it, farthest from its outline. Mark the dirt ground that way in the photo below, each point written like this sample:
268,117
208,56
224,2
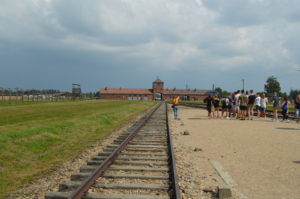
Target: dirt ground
261,156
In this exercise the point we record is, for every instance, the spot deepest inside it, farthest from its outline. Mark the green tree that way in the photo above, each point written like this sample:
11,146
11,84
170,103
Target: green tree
272,85
222,93
294,93
219,91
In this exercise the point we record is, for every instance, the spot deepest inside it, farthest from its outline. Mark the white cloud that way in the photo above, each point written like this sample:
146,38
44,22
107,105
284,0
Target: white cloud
168,34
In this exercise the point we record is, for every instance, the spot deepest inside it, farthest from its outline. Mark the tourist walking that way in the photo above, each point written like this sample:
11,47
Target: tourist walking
251,100
257,104
263,105
297,107
275,107
175,104
243,101
285,109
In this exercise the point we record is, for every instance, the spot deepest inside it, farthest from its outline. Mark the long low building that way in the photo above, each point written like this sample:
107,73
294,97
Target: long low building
158,92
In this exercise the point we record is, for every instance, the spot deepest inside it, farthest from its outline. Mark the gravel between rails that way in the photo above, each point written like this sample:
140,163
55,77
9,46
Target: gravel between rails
192,177
50,182
133,181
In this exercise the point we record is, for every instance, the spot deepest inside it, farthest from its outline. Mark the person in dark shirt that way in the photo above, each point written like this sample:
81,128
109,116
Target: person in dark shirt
225,102
285,109
209,105
297,107
216,105
251,100
230,104
275,107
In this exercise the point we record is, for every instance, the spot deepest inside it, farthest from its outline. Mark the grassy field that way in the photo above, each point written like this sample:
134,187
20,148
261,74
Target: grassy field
35,137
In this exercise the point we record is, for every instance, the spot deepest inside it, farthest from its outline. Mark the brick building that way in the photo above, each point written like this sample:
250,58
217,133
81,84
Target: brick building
158,92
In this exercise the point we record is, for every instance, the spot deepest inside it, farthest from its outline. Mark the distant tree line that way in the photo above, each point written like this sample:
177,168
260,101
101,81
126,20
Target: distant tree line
16,91
27,95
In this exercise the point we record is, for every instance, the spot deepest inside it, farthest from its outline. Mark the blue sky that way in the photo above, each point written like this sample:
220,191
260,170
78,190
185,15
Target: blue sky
128,43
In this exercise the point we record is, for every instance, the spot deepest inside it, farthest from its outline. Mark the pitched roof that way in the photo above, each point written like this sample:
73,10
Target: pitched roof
186,92
126,91
158,80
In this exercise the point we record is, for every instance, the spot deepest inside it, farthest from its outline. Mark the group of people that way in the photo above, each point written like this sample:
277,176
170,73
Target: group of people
241,104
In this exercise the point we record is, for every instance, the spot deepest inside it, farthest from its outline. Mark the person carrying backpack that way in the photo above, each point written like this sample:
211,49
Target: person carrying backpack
175,104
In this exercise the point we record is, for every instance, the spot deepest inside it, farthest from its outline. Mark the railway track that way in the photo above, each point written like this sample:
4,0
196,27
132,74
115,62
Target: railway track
139,164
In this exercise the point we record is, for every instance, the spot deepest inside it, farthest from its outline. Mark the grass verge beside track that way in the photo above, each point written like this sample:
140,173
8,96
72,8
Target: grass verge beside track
194,102
35,138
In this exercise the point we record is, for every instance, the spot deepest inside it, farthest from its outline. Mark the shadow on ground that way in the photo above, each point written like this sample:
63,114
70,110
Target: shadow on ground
286,128
296,162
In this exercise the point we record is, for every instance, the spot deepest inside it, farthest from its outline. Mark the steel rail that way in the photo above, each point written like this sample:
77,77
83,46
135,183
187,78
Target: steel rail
85,186
174,176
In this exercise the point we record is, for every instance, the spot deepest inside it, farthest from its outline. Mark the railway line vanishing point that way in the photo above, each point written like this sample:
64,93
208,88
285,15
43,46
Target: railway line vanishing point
139,164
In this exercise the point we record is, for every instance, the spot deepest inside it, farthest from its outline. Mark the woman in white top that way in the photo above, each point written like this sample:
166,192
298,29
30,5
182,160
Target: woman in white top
263,104
257,104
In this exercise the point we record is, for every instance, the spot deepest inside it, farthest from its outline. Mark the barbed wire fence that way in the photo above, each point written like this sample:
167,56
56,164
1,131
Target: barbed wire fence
17,95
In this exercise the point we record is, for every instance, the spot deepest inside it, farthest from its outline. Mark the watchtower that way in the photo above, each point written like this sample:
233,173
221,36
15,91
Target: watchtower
158,89
76,90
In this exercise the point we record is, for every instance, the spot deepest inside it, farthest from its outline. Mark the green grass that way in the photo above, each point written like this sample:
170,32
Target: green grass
26,102
194,102
36,137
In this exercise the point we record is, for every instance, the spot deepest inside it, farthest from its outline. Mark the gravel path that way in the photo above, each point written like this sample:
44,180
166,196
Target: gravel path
260,155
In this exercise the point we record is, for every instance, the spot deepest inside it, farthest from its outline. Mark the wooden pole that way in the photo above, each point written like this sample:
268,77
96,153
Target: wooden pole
2,90
9,99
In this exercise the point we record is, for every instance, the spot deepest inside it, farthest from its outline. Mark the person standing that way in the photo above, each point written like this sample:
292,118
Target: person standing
243,101
216,105
175,104
251,100
264,105
275,107
230,105
209,106
285,109
257,104
237,104
297,107
225,102
233,104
